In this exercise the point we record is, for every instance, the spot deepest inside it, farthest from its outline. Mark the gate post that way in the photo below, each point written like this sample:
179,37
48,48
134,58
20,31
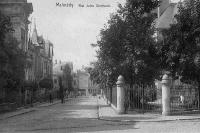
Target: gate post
120,95
166,85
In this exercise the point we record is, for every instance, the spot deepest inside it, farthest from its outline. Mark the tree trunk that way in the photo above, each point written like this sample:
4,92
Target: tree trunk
111,95
198,94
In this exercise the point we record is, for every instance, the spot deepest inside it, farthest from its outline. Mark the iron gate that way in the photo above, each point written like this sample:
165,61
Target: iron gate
142,98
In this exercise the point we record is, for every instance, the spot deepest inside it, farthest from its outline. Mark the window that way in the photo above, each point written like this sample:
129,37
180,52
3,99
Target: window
23,38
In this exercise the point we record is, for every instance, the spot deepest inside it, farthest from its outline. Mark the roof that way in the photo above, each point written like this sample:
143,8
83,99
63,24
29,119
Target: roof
40,39
34,37
167,17
57,69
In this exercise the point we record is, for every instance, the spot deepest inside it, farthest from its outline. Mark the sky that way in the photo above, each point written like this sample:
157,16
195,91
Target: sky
72,30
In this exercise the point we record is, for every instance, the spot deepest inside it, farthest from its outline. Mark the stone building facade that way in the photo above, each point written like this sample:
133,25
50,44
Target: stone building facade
19,11
41,53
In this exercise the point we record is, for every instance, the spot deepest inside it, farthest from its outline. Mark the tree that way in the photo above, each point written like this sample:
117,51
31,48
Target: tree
125,43
5,27
178,52
139,40
46,83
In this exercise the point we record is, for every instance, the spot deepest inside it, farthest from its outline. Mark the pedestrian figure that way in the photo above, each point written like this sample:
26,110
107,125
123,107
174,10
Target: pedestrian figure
182,99
50,98
61,90
62,97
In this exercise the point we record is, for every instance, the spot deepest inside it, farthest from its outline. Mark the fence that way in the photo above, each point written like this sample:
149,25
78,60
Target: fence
148,98
142,99
184,97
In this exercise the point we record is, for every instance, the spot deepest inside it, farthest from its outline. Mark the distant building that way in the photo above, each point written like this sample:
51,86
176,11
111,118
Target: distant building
75,82
63,71
83,82
93,88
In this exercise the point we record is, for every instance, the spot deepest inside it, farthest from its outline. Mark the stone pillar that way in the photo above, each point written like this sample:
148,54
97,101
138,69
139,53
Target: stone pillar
120,95
166,85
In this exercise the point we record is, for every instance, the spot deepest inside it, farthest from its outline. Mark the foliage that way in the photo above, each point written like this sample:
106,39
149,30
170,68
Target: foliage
125,44
179,48
68,77
46,83
12,58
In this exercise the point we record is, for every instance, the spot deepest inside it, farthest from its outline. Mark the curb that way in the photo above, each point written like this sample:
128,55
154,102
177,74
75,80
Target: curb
50,104
158,120
25,112
117,120
56,102
31,109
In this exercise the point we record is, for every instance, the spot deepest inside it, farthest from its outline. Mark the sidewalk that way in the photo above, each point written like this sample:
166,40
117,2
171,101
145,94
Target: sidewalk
24,110
108,113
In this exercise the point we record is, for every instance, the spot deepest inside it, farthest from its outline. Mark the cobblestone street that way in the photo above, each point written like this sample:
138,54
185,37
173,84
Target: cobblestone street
80,115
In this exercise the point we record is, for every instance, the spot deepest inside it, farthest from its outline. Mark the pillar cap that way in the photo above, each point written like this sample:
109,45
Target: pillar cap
166,78
120,80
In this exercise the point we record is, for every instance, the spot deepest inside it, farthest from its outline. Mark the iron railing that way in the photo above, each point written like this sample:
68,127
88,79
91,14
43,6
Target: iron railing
143,98
184,97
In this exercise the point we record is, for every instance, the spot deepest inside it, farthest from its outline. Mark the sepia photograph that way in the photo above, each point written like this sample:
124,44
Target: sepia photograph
99,66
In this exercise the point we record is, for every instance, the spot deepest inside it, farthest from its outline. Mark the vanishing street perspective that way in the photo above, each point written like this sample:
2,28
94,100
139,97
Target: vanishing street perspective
99,66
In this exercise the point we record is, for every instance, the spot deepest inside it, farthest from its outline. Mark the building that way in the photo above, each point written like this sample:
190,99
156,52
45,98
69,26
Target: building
85,85
83,82
166,12
75,83
40,52
57,72
19,11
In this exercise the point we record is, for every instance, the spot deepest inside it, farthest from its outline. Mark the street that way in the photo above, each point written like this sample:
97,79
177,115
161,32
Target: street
80,115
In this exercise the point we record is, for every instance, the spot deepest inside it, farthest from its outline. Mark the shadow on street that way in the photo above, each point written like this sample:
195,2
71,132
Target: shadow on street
76,115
